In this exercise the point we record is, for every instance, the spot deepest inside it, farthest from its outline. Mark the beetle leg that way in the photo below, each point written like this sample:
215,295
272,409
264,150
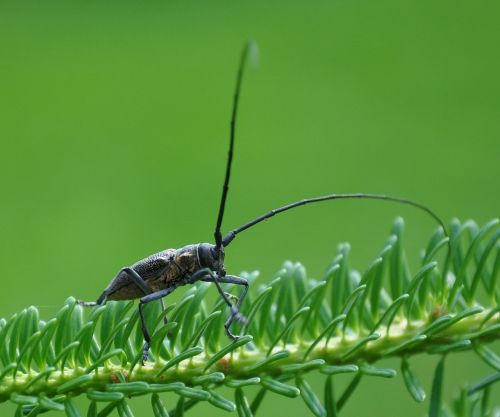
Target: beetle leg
100,301
142,285
145,332
235,310
136,278
198,275
207,275
216,279
204,273
232,297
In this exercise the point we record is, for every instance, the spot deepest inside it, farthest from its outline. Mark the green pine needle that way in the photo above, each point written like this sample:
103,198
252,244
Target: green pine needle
341,323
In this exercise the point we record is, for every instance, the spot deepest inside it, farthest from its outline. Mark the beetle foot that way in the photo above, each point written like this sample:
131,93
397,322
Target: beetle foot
232,336
86,303
236,315
145,353
231,297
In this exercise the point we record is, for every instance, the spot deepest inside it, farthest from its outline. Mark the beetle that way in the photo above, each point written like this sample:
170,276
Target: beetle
160,274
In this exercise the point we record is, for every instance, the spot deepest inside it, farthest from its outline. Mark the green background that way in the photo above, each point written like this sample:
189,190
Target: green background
114,122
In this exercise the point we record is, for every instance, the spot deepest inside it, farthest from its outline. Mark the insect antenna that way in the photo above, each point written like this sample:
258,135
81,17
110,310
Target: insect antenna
232,234
244,55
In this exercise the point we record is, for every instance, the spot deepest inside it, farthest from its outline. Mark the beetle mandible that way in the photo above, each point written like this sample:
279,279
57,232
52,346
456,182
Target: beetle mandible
160,274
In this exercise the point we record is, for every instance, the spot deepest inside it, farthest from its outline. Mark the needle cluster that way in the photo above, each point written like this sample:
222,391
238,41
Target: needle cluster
342,323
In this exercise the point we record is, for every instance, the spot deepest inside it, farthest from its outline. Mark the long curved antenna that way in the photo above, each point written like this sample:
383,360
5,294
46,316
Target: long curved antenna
232,234
217,233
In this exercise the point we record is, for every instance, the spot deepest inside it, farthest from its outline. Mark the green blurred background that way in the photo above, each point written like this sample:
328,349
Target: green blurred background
114,128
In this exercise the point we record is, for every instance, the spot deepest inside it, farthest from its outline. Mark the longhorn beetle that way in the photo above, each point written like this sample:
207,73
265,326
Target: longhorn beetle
160,274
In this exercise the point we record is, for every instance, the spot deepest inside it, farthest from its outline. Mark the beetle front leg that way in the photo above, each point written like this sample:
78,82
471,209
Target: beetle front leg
203,273
208,275
234,299
235,310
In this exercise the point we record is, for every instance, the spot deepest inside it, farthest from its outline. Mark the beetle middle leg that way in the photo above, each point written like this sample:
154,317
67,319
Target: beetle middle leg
158,295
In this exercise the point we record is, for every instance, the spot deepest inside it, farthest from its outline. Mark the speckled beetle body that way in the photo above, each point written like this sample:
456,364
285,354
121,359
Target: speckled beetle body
171,267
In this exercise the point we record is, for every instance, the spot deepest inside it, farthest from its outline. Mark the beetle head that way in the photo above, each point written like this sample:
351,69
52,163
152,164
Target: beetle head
211,258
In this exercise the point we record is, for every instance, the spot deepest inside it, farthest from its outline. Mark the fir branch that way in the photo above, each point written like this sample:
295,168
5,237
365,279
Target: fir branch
297,325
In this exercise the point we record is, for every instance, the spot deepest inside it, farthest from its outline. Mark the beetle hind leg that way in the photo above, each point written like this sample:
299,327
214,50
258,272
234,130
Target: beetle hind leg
132,274
100,301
